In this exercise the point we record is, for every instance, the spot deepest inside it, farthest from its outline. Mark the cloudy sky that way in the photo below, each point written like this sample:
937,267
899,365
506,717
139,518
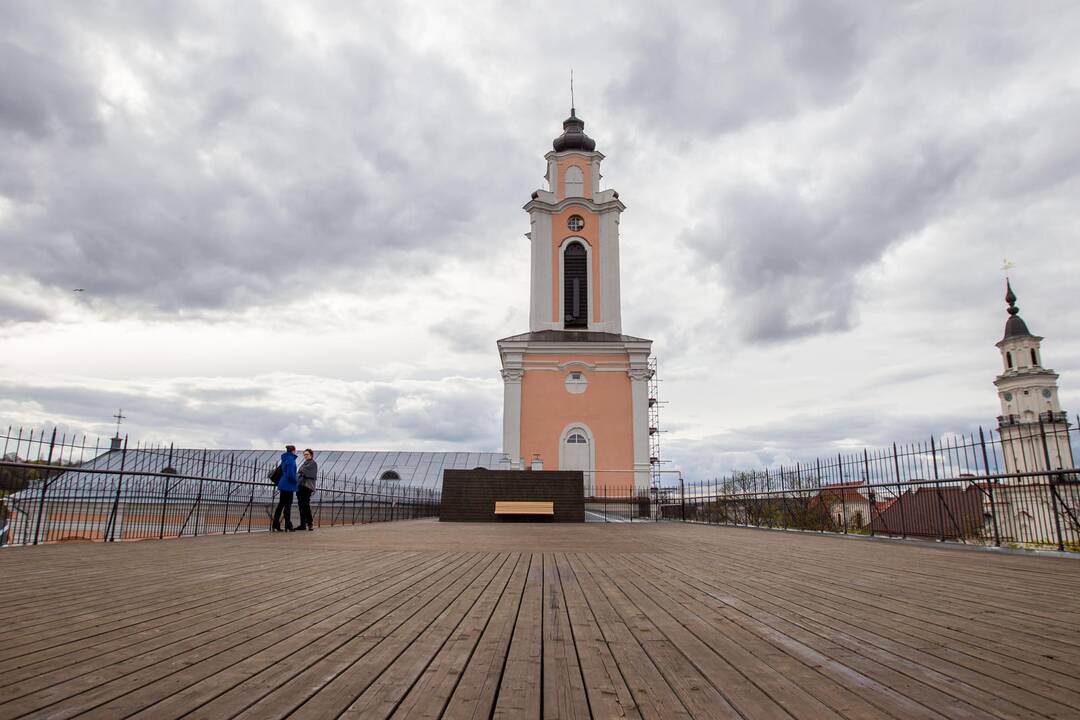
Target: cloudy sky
303,222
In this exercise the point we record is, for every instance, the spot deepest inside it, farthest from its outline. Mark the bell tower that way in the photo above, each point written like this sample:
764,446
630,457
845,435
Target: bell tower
575,388
574,238
1028,393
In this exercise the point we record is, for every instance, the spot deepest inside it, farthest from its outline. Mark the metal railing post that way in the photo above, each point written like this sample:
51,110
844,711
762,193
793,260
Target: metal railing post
817,466
899,493
990,488
937,483
165,495
228,497
251,500
1050,479
111,525
198,498
682,498
44,488
869,489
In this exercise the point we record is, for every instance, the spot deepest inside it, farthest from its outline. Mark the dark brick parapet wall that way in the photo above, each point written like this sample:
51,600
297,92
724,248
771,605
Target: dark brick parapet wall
470,495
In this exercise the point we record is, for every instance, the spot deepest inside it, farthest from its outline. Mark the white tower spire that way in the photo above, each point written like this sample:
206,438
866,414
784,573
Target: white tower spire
1028,393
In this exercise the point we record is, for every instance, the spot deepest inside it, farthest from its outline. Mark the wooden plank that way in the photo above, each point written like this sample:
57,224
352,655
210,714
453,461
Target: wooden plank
657,620
429,696
335,696
123,614
278,689
695,692
92,691
91,655
744,680
902,638
383,696
257,666
934,634
783,676
916,698
520,687
564,687
653,696
609,697
475,694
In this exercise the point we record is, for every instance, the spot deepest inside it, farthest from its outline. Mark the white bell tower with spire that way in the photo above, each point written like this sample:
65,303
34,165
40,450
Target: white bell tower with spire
1030,408
575,388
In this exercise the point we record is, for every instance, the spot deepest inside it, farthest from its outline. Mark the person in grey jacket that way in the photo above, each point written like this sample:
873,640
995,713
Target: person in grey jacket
307,473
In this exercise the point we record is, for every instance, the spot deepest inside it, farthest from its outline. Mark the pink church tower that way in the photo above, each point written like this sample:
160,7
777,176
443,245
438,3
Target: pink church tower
575,393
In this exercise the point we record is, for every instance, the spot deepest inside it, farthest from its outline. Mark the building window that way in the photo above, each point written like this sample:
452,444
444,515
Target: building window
575,182
576,383
1034,360
390,475
575,286
1008,359
577,439
575,223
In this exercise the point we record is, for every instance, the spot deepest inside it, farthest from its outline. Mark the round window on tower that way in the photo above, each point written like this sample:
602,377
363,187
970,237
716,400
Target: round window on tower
575,223
1047,394
576,383
1008,397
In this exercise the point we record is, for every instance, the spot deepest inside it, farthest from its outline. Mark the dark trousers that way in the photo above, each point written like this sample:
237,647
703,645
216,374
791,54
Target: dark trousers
284,505
303,499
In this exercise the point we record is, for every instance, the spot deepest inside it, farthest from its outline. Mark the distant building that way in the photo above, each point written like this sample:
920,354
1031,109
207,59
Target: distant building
1030,408
575,388
846,504
949,512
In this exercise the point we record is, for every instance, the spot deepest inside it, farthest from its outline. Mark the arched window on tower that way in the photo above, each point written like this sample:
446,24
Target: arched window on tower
1008,359
575,286
575,182
1034,358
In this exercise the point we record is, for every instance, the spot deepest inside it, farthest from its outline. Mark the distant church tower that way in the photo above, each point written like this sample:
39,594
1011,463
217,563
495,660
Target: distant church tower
575,388
1028,393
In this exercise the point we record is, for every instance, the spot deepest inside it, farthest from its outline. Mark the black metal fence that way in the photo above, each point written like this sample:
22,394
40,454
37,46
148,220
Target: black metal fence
619,504
1017,485
53,490
1014,486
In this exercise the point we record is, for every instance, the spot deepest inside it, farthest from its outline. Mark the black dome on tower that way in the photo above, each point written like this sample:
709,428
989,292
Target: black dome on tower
574,137
1015,325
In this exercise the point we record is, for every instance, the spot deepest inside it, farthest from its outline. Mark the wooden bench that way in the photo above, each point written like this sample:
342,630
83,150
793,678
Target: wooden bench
541,507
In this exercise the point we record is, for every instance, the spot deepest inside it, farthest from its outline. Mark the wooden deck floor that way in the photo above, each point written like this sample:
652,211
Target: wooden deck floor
428,620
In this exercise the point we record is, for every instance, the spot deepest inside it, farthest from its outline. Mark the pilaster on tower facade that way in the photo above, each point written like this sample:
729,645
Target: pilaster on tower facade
1030,409
575,388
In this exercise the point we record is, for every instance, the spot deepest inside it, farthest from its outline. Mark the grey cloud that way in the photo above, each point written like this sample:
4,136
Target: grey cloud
900,119
802,439
13,311
464,335
790,256
248,155
41,100
449,414
717,67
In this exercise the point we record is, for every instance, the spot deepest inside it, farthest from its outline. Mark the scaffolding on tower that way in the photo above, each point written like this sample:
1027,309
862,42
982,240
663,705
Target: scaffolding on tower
654,425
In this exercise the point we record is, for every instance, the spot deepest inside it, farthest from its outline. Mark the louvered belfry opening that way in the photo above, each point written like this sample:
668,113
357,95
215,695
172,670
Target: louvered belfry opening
575,286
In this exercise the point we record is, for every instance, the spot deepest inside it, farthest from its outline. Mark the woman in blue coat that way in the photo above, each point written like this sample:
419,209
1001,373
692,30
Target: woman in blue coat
287,485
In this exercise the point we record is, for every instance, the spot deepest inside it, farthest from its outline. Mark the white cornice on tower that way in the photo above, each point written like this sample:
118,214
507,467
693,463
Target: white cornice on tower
541,202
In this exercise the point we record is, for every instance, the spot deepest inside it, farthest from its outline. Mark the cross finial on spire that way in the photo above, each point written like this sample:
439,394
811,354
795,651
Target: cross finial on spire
119,417
572,106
